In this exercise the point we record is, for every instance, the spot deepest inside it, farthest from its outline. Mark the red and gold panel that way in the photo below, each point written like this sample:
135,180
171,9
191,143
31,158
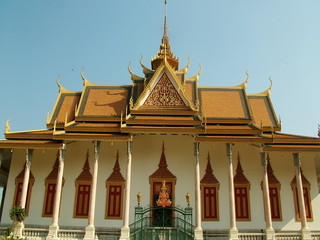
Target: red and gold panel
49,200
164,94
242,203
275,203
210,203
114,201
82,200
307,203
18,193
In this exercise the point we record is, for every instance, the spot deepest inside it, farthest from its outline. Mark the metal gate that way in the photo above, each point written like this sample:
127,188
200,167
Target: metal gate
162,223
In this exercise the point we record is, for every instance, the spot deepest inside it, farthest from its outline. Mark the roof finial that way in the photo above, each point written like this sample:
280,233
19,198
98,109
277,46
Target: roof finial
165,39
165,19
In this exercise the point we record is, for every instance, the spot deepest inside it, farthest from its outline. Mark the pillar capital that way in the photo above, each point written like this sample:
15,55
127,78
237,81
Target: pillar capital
297,160
263,157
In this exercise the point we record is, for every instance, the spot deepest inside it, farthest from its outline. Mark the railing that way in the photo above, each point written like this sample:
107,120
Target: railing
35,233
207,235
252,236
162,223
315,236
288,236
70,234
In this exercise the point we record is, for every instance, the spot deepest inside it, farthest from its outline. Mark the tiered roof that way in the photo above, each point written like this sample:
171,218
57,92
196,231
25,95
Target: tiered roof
163,100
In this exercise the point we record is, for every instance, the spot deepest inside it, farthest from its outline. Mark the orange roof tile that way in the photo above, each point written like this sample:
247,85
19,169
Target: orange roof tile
262,111
34,134
65,105
223,103
104,101
30,144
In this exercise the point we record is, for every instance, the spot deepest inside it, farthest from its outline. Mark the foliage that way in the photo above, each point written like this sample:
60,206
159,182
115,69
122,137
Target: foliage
10,237
17,214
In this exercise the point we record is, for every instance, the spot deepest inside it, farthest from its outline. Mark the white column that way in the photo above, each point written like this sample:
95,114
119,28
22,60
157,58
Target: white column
233,232
125,230
198,232
266,197
54,227
90,229
305,231
19,226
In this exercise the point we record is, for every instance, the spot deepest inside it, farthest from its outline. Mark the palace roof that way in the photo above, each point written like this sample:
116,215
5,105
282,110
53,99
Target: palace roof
162,101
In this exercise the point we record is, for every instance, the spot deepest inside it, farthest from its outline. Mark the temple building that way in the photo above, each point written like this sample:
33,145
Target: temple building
161,158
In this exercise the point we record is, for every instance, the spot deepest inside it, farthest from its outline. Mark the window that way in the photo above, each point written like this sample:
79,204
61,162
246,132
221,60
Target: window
82,200
115,186
50,192
83,189
209,195
210,207
274,195
114,201
241,194
242,203
49,199
307,203
18,190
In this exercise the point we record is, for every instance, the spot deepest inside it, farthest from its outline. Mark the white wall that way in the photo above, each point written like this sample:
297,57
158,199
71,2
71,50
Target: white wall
180,159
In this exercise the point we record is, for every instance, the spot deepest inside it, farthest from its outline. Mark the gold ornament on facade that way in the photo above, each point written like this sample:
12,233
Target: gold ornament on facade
7,127
163,200
139,195
188,197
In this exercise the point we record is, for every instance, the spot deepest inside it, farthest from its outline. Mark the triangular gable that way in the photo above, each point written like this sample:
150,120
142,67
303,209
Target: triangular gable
164,91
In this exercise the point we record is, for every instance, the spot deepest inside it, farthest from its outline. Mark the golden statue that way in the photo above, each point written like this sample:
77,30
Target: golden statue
164,200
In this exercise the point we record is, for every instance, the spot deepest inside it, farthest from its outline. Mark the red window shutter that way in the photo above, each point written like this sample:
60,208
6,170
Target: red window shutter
274,203
83,198
114,201
210,202
242,203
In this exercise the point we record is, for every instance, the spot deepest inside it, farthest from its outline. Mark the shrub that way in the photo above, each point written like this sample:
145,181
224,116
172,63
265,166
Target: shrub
17,214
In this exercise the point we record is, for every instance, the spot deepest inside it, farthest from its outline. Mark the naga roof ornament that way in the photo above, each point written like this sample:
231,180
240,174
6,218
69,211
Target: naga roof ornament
185,69
134,76
85,81
62,89
145,69
266,92
195,77
244,84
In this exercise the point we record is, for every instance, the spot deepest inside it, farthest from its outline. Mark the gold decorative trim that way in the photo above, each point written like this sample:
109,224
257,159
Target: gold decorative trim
134,77
185,69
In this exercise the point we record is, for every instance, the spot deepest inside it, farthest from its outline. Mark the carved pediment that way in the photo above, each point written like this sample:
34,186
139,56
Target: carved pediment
164,93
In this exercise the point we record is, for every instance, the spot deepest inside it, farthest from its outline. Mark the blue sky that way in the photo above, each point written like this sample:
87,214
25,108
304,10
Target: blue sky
41,39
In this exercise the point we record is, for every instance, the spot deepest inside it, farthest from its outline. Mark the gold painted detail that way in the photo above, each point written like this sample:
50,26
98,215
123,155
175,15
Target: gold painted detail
164,94
145,69
164,200
7,127
134,76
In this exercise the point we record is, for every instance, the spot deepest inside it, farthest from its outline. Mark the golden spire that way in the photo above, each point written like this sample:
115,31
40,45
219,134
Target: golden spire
165,52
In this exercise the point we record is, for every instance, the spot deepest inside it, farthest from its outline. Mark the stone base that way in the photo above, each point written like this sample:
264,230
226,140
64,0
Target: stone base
198,234
90,233
17,230
53,232
270,234
306,234
125,233
233,234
